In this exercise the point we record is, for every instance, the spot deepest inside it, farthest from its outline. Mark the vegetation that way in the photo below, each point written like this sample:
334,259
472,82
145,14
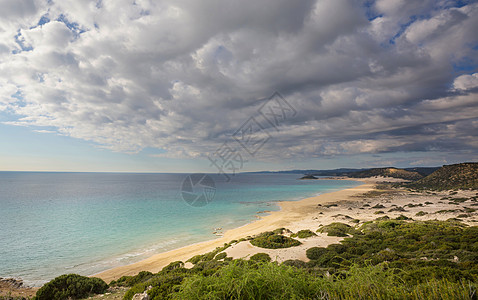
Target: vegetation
215,254
71,286
458,176
315,253
271,240
338,229
421,213
388,172
303,234
132,280
383,259
271,281
261,257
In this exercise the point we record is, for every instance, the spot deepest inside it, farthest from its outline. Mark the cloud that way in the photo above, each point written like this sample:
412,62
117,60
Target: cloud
183,76
466,82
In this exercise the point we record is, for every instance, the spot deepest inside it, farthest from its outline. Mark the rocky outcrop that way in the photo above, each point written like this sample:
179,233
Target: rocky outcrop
11,283
309,177
143,296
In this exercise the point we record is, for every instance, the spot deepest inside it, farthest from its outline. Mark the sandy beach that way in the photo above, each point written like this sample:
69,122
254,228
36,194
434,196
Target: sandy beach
294,215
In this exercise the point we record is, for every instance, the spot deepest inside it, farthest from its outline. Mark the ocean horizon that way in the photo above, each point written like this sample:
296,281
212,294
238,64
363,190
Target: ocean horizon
54,223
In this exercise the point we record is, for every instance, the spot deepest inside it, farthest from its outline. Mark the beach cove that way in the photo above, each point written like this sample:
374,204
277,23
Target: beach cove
293,215
86,223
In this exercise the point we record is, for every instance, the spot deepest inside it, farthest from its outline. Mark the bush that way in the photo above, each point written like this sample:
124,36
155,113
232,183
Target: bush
421,213
338,229
297,263
302,234
261,257
315,252
174,265
271,240
132,280
398,208
220,256
195,259
71,286
281,230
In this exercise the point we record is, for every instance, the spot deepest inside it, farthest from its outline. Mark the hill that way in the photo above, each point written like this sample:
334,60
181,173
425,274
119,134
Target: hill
450,177
387,172
424,171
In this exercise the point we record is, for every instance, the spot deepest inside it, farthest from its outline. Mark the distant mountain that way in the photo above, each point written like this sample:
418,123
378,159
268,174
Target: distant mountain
334,172
458,176
387,172
423,171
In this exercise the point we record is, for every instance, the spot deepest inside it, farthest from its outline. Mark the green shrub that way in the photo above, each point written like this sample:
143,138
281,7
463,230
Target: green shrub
398,208
402,217
195,259
261,257
338,229
302,234
281,230
315,252
210,255
71,286
297,263
220,256
174,265
271,240
389,224
421,213
132,280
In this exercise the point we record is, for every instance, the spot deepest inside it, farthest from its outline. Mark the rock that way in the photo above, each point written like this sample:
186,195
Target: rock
143,296
11,282
308,177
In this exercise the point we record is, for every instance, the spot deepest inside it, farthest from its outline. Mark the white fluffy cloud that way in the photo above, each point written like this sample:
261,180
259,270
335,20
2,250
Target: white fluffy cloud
466,82
182,76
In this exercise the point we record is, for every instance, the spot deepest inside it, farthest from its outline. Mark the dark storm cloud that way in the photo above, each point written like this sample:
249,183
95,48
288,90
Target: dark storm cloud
183,76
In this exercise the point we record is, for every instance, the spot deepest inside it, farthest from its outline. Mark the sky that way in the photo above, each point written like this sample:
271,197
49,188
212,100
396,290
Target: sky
232,86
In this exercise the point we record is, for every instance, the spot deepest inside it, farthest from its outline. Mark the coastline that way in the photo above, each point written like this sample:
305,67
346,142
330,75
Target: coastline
289,214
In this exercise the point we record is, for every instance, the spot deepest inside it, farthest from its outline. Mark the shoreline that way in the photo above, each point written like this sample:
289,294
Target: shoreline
289,212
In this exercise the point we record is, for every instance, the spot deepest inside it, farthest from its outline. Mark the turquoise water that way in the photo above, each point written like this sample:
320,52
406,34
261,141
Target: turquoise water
56,223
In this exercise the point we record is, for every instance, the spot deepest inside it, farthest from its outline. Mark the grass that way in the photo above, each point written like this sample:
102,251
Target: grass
272,281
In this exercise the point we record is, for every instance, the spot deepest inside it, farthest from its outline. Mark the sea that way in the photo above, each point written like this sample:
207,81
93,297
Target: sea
57,223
